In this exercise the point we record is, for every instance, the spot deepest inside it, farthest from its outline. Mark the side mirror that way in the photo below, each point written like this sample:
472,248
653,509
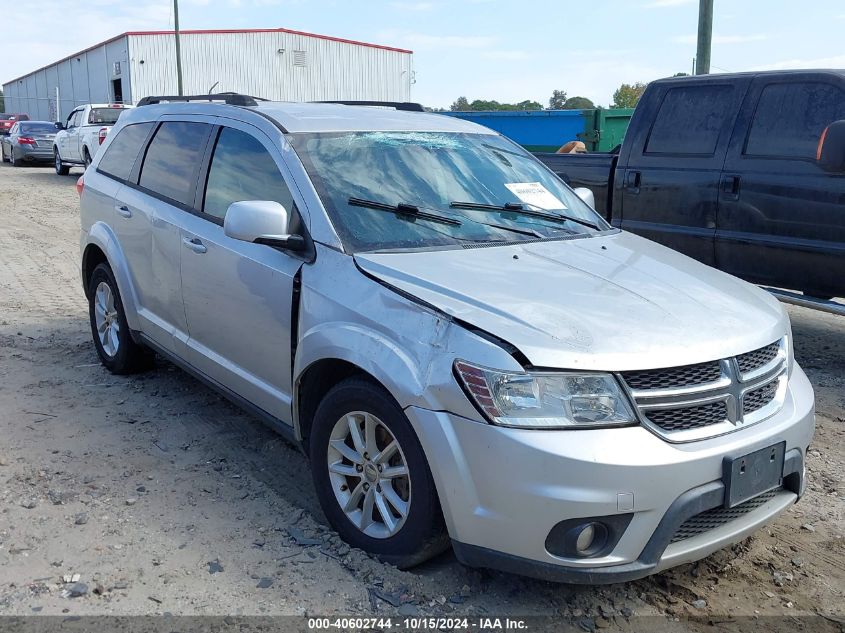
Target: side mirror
60,125
831,152
586,195
262,222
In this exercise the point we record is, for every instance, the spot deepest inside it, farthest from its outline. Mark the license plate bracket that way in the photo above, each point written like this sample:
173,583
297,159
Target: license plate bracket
750,475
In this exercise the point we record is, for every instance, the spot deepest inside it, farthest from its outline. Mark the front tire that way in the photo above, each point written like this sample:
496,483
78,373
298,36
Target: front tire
372,477
112,338
61,168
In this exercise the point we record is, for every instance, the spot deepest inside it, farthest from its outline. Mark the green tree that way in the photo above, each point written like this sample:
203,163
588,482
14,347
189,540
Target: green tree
461,105
681,75
558,100
578,103
627,95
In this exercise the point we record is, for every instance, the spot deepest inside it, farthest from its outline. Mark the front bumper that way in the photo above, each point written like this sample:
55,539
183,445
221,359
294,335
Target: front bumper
503,490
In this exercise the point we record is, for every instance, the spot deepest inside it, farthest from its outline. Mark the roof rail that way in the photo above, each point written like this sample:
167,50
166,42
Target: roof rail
408,106
230,98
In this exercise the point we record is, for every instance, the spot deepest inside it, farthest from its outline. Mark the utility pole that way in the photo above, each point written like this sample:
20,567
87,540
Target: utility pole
705,36
178,47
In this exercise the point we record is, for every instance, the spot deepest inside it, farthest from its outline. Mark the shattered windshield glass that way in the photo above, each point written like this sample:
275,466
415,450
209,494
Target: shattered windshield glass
493,190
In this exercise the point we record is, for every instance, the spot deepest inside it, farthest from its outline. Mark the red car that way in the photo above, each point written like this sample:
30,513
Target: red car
8,120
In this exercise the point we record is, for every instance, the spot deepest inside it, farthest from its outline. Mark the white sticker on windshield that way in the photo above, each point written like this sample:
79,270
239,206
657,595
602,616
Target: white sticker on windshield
535,194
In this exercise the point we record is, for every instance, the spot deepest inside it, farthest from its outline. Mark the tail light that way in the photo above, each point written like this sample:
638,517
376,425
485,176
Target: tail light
80,185
25,140
101,135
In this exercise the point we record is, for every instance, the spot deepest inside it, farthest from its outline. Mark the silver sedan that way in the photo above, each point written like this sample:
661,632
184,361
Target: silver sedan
30,142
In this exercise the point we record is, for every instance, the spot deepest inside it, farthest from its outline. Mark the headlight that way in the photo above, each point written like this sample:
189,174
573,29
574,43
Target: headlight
559,400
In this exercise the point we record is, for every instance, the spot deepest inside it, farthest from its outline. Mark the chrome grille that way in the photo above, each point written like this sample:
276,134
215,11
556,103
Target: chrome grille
689,417
698,401
759,398
686,376
711,519
758,358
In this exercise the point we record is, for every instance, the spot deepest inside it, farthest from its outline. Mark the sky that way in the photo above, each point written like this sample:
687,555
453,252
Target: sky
505,50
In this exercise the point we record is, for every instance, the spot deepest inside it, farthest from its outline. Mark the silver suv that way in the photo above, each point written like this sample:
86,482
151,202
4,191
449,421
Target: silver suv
467,352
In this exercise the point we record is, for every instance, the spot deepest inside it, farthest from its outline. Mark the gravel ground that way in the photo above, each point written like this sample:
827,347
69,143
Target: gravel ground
151,494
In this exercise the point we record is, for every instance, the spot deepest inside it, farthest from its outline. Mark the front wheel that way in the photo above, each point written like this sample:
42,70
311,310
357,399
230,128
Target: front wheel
112,339
61,168
372,477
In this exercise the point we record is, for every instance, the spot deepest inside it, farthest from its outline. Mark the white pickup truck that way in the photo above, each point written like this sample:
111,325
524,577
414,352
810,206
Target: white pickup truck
81,135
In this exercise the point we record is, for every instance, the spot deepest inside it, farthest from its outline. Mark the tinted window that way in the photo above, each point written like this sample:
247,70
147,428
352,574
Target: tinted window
791,117
242,169
173,157
37,128
121,153
104,116
689,120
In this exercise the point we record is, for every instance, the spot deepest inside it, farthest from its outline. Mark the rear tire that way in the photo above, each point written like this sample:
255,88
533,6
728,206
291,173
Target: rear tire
109,329
360,499
3,152
86,156
17,162
61,168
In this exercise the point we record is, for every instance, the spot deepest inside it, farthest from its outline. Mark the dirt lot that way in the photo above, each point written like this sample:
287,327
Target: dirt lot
162,497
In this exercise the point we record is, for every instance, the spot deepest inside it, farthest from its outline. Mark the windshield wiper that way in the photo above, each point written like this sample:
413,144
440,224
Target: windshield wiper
516,207
406,211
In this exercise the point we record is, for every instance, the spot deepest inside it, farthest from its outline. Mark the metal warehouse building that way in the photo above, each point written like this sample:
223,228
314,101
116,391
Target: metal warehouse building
277,64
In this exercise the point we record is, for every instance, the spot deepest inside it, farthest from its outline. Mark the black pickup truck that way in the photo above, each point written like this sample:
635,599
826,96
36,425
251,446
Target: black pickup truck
744,172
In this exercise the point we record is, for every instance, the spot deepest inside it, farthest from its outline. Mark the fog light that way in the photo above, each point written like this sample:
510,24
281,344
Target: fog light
585,538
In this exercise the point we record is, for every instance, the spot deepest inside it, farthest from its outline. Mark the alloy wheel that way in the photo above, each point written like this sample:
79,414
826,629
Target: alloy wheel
369,474
105,315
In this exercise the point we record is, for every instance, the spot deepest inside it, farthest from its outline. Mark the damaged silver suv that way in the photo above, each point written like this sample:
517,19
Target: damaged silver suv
468,353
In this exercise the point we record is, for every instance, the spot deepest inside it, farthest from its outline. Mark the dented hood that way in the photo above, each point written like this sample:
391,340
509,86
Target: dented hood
613,302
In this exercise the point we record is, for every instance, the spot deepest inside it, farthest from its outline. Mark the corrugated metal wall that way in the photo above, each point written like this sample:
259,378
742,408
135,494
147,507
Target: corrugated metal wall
82,78
273,65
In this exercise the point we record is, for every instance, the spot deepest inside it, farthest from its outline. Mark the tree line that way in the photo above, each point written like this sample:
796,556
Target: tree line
626,96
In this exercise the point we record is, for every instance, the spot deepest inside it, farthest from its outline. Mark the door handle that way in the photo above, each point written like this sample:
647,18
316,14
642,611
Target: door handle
731,186
124,211
633,180
194,244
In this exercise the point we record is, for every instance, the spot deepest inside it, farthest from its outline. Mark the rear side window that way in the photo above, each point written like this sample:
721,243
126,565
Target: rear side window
242,169
791,117
172,160
690,120
121,153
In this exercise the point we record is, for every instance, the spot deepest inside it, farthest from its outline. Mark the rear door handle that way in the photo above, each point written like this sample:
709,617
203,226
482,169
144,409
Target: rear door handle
194,244
633,180
124,211
731,186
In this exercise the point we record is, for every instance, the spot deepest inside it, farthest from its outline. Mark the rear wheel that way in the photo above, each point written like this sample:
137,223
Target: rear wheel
86,156
3,152
372,477
112,339
17,162
61,168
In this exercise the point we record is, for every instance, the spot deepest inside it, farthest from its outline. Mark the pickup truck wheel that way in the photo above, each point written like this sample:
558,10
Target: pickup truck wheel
112,339
372,477
61,168
86,156
17,162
